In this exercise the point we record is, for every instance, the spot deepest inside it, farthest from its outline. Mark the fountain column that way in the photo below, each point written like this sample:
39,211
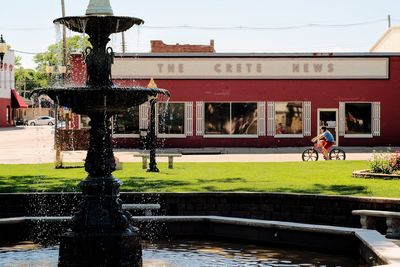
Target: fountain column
101,233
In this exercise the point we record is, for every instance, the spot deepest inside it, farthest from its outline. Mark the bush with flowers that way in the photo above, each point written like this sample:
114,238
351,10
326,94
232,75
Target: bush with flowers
387,163
394,161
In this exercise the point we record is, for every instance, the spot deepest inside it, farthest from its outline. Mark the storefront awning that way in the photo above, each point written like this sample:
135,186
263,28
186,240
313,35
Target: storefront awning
16,100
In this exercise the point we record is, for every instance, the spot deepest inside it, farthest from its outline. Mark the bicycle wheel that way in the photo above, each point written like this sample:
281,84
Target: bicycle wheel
309,154
337,154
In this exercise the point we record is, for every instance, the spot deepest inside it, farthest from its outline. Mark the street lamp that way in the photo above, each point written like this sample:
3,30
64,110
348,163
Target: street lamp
3,50
152,136
49,71
62,70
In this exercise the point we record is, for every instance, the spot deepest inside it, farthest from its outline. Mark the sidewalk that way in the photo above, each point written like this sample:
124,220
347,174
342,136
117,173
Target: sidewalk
34,144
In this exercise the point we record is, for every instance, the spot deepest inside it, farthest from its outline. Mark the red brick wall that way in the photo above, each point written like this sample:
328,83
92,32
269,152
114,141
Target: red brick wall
4,102
158,46
77,70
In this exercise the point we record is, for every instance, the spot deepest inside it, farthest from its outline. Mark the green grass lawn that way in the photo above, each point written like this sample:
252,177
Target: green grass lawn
323,177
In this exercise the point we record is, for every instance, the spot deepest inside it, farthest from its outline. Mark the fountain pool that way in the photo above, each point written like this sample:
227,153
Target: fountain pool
193,253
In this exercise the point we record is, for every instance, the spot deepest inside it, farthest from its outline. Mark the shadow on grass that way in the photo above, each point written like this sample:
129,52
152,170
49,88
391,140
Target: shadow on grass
223,180
322,189
145,184
12,184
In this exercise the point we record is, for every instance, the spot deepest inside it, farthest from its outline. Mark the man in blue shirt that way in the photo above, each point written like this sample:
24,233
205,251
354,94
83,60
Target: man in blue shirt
325,141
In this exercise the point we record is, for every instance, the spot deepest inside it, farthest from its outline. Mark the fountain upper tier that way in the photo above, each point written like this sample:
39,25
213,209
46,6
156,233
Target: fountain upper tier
106,25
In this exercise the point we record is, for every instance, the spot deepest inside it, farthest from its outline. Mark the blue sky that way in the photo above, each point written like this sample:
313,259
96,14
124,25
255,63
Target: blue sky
27,24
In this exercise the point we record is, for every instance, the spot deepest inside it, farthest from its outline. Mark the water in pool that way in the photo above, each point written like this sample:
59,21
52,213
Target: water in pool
189,253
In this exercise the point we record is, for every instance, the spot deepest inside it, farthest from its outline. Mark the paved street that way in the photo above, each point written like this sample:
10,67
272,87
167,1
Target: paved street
34,144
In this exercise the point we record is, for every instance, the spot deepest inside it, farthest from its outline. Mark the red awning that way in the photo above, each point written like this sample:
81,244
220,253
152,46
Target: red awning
16,100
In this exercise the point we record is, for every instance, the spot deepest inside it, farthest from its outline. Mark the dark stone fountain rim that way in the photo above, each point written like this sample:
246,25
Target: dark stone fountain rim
111,24
106,89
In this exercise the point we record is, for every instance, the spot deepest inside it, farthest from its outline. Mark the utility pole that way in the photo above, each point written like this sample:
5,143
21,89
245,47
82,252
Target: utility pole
58,162
389,22
64,35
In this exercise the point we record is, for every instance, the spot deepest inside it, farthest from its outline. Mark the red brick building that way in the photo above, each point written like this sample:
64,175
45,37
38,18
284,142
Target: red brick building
260,100
9,98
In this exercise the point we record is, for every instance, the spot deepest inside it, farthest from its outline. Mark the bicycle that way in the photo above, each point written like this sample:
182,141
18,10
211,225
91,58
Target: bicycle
312,154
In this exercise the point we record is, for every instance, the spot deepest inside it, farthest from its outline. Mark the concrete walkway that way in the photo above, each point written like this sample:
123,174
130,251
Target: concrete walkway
34,144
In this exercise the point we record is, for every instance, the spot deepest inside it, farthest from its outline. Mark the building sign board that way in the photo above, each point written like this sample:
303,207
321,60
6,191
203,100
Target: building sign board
251,68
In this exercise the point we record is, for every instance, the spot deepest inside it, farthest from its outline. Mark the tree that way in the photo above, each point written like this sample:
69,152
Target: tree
53,55
28,79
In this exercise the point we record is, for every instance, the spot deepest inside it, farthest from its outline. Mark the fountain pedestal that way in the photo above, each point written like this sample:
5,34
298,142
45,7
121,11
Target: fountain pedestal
101,233
102,249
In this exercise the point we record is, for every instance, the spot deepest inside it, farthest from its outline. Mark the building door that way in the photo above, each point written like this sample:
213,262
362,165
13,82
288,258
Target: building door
329,118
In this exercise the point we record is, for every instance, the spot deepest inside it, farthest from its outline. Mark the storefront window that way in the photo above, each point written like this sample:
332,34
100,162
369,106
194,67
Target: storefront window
85,121
288,118
217,118
171,118
358,118
128,122
230,118
244,118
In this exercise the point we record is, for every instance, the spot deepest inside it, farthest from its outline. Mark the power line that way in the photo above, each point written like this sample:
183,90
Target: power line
24,52
290,27
240,27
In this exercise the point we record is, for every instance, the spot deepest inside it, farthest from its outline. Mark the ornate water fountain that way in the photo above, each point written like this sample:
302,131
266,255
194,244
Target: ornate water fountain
101,233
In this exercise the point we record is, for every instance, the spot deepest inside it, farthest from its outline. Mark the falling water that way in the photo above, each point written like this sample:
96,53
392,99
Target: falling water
138,37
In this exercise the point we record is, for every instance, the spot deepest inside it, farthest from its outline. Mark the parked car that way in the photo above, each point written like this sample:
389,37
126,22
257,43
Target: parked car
42,120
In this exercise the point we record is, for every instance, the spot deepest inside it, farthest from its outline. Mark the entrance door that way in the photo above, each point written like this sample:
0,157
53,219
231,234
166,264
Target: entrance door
328,117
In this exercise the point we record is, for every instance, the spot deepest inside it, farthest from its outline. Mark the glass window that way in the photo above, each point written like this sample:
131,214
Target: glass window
85,121
8,114
171,118
128,122
230,118
288,118
217,118
244,118
358,118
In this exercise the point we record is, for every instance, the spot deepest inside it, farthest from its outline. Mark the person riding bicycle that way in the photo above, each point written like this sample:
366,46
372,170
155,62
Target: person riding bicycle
325,141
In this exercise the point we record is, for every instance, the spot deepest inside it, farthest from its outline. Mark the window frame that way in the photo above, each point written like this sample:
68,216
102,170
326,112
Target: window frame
8,114
302,122
347,135
164,135
205,135
118,135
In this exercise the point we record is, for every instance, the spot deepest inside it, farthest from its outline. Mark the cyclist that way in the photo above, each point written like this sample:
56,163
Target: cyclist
325,141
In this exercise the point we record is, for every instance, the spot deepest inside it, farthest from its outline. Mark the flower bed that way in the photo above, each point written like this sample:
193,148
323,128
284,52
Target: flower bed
383,166
370,174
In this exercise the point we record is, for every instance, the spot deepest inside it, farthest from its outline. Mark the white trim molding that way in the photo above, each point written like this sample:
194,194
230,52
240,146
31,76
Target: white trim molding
376,119
144,110
270,118
200,118
342,118
261,119
307,118
189,118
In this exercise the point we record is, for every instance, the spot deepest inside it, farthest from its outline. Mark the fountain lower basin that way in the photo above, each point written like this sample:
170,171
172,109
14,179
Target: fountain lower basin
194,253
355,243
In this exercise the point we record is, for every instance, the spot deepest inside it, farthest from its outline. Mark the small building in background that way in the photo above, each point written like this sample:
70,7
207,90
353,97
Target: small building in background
10,100
389,42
